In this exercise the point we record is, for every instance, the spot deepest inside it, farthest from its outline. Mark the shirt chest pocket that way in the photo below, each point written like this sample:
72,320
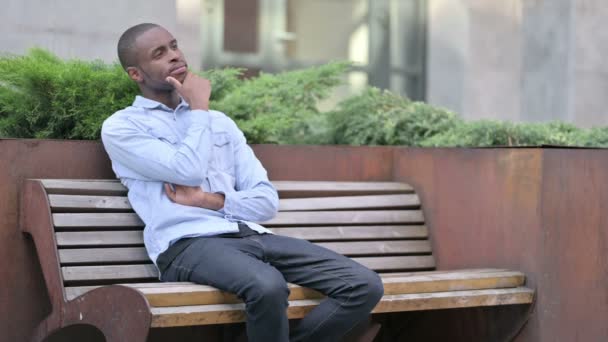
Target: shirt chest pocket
223,153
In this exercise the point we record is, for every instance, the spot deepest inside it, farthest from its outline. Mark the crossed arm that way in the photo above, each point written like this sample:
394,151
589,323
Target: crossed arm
194,196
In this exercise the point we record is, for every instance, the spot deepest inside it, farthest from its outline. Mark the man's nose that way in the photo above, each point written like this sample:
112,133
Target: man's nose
174,54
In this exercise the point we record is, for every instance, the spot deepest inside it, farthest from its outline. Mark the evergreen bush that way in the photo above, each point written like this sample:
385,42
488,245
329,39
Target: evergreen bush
42,96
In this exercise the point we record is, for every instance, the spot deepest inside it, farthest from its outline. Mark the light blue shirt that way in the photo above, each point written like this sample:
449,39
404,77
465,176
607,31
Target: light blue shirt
151,144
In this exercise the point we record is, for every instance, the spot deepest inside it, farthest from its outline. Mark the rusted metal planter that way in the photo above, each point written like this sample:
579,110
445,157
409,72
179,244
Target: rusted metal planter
541,211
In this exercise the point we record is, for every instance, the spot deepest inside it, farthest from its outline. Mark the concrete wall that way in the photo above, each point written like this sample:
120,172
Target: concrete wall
90,29
519,60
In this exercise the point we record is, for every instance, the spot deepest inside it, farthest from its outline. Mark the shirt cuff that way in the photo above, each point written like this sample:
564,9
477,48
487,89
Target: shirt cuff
231,203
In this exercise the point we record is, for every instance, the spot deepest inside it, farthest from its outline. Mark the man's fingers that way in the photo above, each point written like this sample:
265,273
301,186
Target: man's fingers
174,82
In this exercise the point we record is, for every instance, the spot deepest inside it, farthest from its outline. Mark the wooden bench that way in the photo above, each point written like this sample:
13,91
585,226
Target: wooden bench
89,240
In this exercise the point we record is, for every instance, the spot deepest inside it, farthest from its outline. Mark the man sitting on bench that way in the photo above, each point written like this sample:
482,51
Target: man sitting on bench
199,188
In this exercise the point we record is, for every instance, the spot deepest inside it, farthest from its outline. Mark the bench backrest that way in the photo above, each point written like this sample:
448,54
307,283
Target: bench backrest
100,240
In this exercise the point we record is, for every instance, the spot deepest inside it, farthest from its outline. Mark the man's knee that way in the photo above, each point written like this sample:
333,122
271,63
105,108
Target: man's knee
371,287
268,288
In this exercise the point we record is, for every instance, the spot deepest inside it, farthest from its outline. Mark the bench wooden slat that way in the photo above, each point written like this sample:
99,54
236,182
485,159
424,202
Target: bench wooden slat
397,263
354,232
442,274
90,203
114,187
346,217
103,255
283,218
349,202
180,294
176,295
116,238
229,313
108,203
138,254
97,220
354,248
84,186
109,272
149,271
133,237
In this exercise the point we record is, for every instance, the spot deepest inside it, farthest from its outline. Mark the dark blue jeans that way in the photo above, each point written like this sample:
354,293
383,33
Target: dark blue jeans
257,269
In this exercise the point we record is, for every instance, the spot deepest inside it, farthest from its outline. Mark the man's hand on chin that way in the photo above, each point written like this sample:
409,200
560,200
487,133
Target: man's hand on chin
194,196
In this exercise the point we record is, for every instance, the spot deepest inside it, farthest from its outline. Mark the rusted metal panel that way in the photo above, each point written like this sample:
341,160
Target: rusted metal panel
539,211
573,274
482,208
23,297
335,163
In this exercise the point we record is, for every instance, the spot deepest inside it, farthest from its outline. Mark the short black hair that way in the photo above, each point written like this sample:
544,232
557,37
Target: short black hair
126,43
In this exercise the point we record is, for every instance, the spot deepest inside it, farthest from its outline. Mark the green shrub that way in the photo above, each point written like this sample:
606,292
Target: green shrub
280,108
378,117
42,96
486,133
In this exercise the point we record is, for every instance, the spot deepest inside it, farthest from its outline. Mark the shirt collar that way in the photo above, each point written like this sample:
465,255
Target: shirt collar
144,102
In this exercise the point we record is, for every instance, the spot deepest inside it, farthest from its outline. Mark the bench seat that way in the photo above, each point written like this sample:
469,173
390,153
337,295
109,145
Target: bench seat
182,303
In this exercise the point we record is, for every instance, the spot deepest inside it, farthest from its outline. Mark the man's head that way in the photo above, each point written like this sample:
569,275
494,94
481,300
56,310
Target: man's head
149,54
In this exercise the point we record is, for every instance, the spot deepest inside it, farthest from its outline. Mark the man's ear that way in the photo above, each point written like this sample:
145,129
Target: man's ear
135,74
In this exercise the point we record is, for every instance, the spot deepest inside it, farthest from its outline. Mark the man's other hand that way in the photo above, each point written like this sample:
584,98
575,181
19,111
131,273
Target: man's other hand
195,90
194,196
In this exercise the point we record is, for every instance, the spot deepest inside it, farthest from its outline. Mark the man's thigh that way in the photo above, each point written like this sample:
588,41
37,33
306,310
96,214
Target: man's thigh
304,263
229,264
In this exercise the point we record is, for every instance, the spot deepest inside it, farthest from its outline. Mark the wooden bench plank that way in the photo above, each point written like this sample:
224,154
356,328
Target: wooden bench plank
346,217
114,187
103,255
230,313
83,186
138,254
109,203
355,248
354,232
322,233
180,294
109,272
147,271
283,218
335,188
442,274
97,220
91,203
116,238
349,202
